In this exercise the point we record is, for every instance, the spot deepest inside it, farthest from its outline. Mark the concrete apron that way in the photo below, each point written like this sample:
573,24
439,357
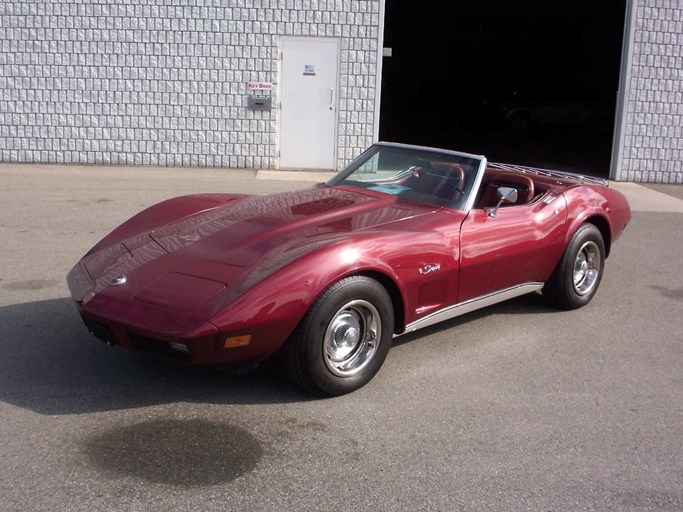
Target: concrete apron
643,199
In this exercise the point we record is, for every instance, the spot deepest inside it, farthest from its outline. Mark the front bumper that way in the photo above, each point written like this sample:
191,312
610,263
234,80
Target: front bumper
195,350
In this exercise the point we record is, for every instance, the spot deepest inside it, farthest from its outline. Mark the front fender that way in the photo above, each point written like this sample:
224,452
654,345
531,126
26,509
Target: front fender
271,309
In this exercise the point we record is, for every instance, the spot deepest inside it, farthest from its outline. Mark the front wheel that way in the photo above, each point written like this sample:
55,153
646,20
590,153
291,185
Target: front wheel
577,276
343,339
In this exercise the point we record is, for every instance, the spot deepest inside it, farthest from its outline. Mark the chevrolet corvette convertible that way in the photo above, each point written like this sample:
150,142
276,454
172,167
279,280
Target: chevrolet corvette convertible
324,278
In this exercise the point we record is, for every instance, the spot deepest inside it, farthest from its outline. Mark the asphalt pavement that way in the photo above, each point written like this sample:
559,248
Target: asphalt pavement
516,407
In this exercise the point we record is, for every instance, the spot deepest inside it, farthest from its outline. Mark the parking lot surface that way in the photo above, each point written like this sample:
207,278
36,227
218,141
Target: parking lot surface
516,407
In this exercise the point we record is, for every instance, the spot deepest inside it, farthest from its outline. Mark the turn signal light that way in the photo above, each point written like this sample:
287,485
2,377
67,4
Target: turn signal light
237,341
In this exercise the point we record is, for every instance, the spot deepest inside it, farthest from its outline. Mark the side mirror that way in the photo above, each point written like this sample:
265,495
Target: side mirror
507,195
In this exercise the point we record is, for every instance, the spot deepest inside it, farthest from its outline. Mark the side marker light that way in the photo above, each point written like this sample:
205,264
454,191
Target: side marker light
237,341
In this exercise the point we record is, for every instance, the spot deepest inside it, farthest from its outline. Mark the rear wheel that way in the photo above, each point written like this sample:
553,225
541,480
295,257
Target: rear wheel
577,276
344,338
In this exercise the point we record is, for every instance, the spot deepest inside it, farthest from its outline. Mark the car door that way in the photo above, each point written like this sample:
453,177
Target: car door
520,244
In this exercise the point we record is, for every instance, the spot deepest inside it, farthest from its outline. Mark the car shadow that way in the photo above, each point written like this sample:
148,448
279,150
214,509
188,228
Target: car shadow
51,365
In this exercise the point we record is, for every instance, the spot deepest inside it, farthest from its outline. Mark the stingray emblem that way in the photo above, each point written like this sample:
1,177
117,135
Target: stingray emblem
427,269
116,280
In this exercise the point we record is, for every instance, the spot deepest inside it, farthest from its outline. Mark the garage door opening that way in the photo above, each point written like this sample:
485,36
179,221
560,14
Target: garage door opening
532,83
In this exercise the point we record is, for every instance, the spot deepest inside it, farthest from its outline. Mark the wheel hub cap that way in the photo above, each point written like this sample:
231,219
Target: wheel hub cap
352,338
586,268
345,336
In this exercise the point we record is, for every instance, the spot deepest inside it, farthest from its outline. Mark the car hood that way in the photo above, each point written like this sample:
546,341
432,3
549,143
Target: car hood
240,242
241,234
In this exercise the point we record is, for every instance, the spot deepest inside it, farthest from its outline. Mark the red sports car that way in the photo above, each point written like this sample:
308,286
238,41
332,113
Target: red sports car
402,238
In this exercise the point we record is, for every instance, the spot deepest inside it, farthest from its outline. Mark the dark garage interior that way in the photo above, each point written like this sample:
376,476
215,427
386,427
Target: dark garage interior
531,83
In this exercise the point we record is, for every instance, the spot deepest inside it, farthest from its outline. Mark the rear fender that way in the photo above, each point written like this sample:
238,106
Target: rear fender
585,204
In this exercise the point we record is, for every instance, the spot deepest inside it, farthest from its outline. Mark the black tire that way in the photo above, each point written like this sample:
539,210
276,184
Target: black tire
343,339
578,274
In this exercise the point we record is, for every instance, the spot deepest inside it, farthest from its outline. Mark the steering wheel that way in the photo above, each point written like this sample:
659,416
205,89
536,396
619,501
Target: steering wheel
415,171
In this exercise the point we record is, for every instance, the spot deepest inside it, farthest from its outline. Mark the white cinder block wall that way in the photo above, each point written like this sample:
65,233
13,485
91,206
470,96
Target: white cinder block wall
653,119
163,82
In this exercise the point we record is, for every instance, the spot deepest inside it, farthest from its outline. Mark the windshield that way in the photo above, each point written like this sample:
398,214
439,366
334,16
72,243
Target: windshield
421,175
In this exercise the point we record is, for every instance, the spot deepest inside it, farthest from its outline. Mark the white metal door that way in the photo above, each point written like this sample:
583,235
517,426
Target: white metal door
308,102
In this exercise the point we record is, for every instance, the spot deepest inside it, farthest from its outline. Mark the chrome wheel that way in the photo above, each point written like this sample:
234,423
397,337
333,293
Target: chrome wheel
342,341
586,268
352,338
578,273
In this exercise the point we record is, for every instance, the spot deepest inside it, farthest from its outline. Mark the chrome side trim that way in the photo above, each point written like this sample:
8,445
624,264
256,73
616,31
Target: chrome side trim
472,305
